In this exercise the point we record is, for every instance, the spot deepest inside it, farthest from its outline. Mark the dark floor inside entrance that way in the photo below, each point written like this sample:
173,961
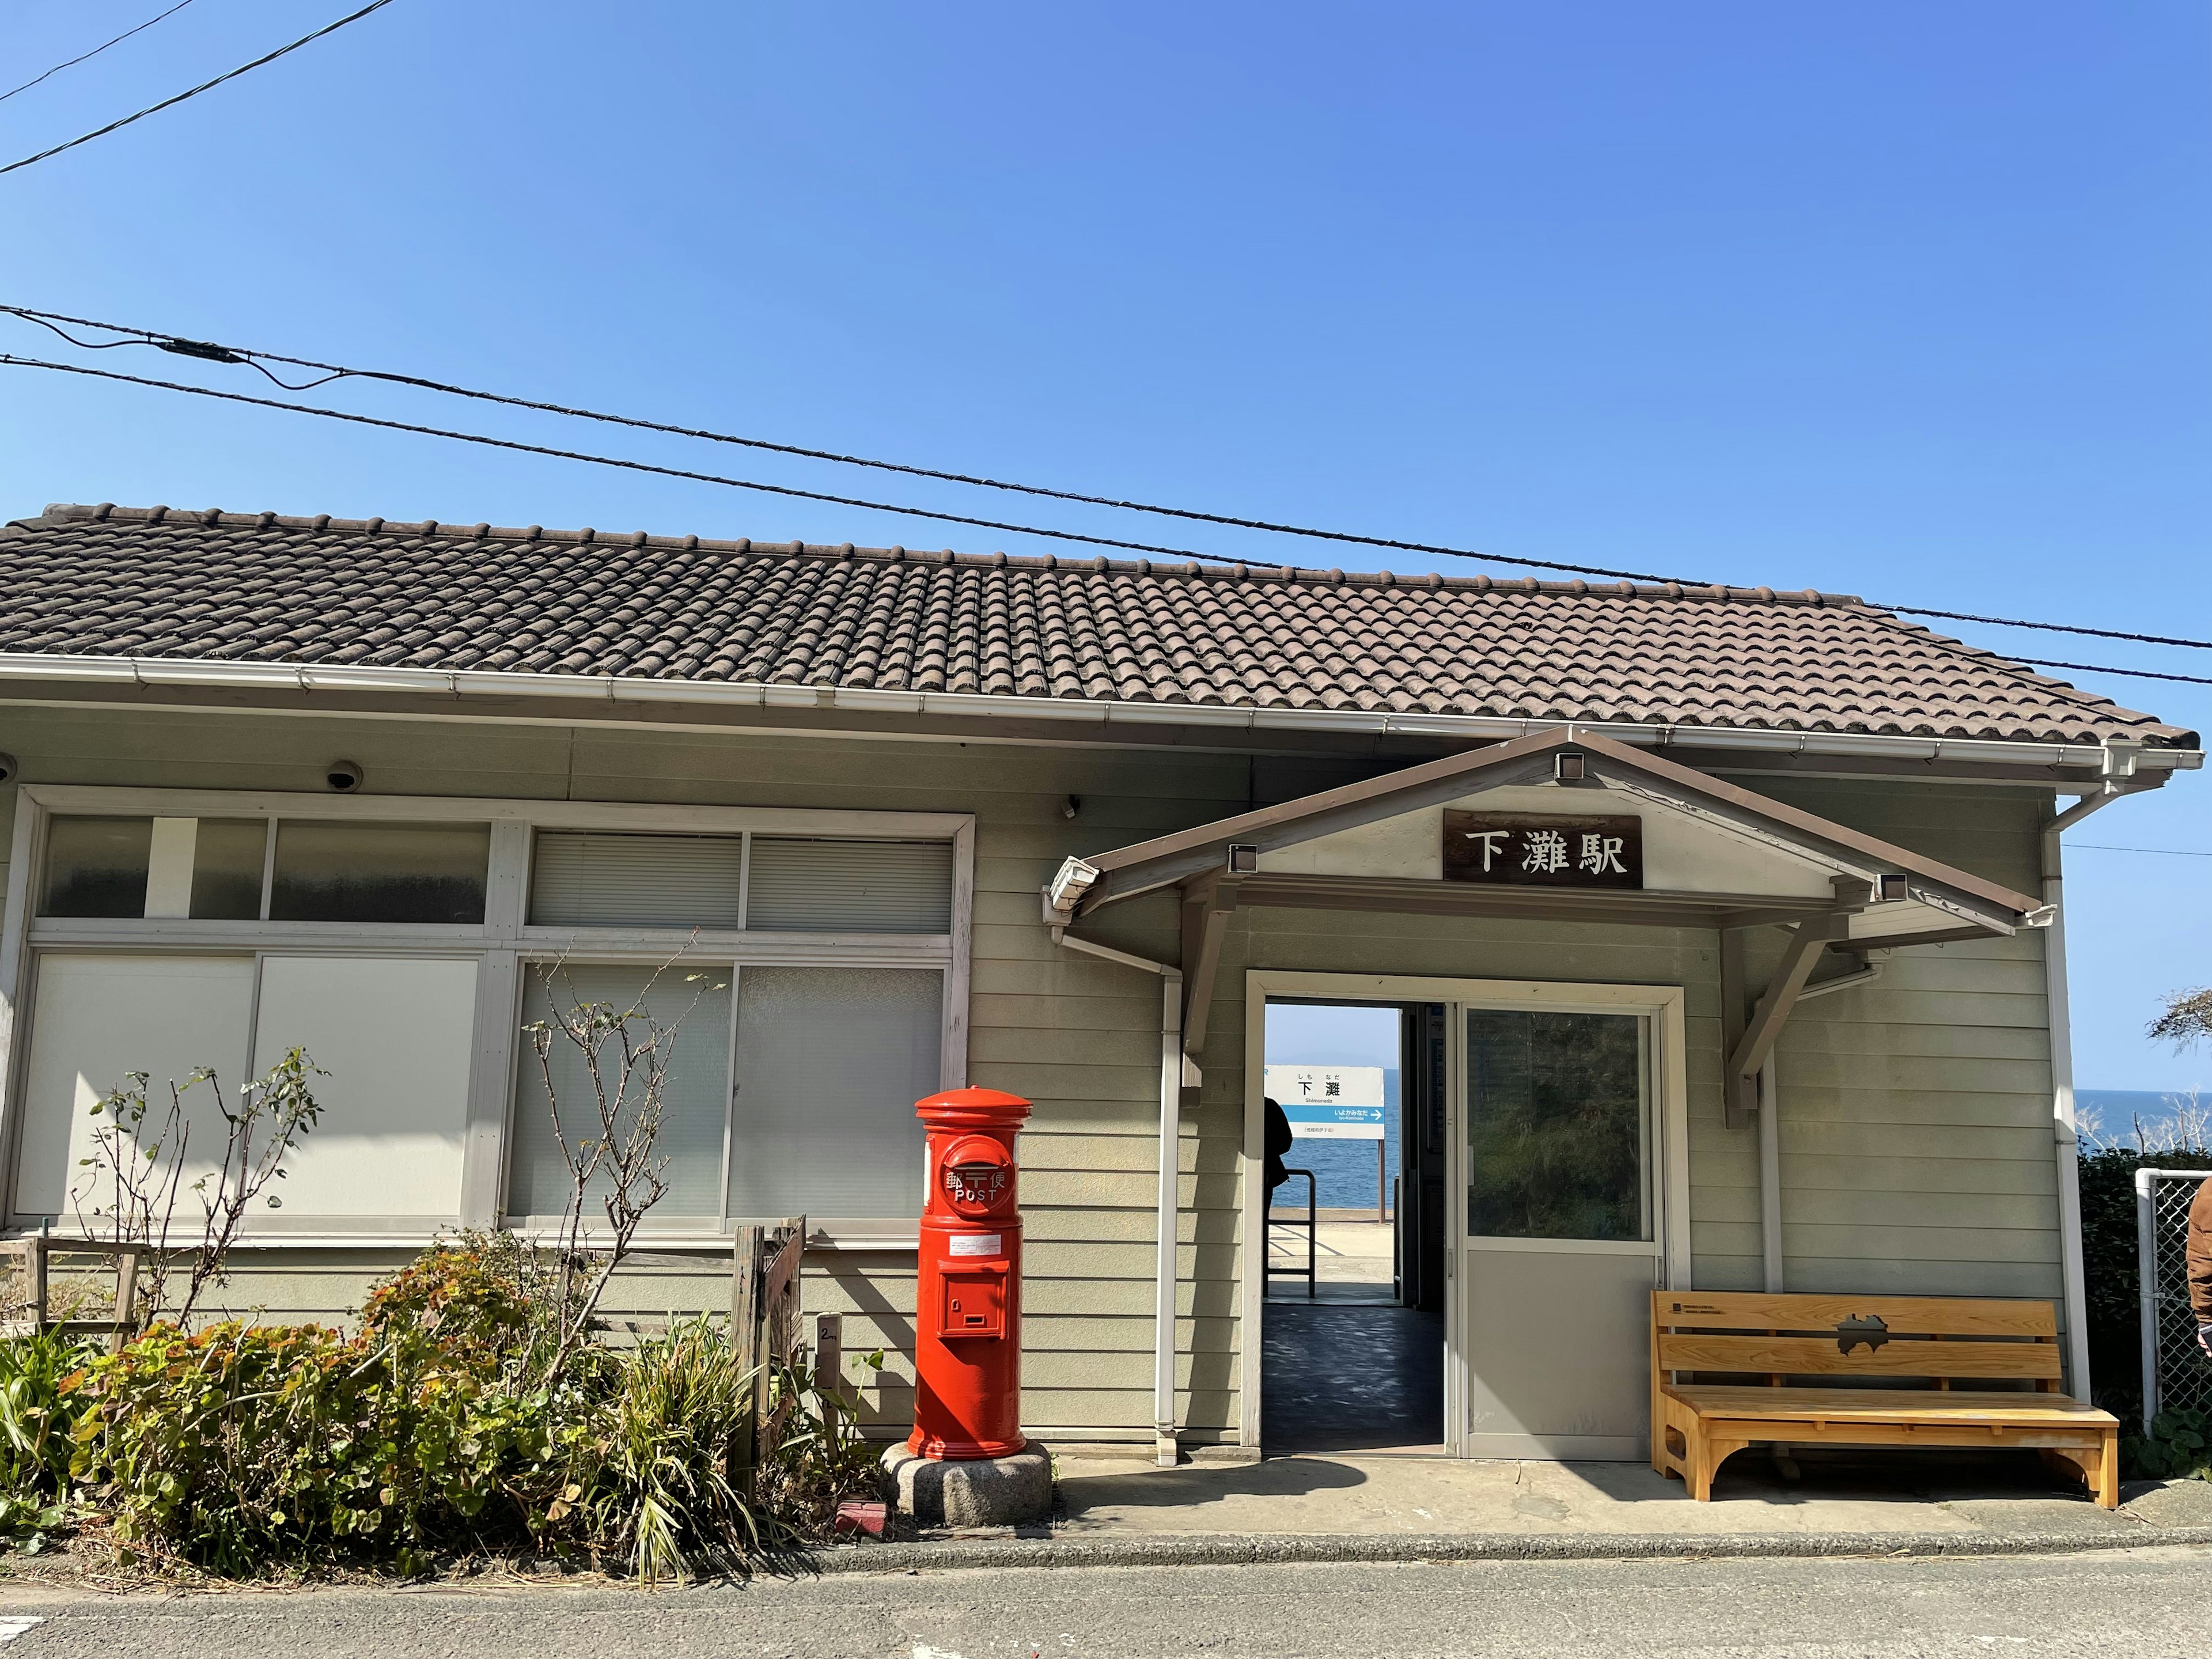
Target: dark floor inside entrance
1351,1377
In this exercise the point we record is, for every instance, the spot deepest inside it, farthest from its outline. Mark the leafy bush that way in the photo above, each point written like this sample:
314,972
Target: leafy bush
440,1427
241,1446
37,1420
2177,1447
2108,1257
482,1298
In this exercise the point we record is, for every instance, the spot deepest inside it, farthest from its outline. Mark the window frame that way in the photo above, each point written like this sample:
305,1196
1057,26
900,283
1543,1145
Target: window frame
501,945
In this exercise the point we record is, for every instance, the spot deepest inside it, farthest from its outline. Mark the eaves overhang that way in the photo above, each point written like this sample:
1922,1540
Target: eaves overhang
2110,759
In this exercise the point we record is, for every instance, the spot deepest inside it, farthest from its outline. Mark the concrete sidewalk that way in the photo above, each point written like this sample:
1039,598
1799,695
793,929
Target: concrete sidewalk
1377,1497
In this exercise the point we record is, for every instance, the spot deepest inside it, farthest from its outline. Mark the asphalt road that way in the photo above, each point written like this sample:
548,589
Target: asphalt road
2145,1604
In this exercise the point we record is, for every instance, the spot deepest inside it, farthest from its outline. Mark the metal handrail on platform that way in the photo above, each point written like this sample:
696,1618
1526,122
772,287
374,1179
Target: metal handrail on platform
1269,1270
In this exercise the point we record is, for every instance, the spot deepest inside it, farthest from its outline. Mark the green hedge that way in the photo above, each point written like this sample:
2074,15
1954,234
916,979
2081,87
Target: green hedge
2108,1259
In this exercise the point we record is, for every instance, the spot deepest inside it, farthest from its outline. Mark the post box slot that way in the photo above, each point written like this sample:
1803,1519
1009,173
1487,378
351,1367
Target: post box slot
975,1302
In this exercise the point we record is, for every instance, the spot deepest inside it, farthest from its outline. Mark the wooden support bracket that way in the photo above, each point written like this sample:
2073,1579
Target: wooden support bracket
1749,1052
1208,902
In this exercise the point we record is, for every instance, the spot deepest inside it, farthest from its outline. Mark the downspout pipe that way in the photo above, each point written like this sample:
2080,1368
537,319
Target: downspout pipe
2067,1145
1165,1448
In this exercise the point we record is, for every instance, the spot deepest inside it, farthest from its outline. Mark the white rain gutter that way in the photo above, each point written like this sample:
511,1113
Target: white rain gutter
2068,1150
158,671
1164,1447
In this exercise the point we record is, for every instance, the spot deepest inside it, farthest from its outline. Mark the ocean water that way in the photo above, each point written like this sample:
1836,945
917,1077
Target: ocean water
2115,1117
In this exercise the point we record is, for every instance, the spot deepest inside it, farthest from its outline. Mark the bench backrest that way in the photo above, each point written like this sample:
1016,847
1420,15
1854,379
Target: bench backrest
1941,1338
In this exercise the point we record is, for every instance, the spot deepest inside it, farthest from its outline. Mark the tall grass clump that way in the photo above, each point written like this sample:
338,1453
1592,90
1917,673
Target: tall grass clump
38,1421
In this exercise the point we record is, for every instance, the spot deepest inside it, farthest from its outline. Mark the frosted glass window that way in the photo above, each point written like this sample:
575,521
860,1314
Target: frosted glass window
695,1098
97,1017
227,857
850,886
396,1035
830,1061
587,879
1558,1140
96,867
335,870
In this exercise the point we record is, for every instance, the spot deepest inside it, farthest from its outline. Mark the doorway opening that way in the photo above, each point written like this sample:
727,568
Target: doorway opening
1353,1313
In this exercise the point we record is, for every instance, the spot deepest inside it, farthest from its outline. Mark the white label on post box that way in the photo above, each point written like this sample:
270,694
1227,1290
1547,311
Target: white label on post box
977,1245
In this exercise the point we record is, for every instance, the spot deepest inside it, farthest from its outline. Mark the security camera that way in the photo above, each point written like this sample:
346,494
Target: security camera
345,776
9,766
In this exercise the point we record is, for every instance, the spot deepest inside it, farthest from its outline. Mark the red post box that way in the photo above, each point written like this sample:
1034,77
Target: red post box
968,1321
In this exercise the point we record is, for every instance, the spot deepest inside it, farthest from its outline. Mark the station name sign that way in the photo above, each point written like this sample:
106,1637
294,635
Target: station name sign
1531,850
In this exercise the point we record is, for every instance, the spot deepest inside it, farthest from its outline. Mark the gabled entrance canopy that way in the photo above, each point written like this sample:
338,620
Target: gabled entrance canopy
1714,856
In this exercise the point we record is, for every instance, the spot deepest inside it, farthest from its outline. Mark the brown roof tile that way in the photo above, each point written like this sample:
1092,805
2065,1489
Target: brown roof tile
114,582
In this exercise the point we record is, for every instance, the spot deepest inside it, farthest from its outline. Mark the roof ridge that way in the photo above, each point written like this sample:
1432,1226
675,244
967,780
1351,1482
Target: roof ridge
1230,570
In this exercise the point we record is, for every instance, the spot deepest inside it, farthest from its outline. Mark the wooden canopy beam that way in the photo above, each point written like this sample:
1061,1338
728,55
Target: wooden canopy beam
1208,902
1811,937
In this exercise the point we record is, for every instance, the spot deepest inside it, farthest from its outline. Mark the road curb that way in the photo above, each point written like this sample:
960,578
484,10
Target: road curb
1215,1550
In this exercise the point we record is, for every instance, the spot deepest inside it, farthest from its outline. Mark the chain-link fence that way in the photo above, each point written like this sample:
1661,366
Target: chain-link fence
2176,1373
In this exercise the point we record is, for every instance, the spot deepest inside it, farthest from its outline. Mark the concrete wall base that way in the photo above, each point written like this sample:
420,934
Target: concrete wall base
989,1492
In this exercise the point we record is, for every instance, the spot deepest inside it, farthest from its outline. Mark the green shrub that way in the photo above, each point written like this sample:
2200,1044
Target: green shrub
478,1297
241,1447
2108,1259
2177,1447
242,1450
38,1419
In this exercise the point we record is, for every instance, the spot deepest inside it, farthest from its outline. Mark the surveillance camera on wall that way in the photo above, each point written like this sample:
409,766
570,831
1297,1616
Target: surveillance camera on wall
9,766
345,776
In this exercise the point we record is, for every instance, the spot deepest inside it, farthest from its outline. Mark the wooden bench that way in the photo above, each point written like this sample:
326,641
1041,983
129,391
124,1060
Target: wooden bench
1940,1340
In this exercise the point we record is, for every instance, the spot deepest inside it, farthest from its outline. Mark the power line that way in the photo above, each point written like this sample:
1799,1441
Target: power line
204,86
211,352
2164,851
2048,627
2132,673
329,372
95,52
630,466
12,361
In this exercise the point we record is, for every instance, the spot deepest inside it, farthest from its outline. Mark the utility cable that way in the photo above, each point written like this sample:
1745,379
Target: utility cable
95,52
204,86
328,371
2166,852
2092,668
9,360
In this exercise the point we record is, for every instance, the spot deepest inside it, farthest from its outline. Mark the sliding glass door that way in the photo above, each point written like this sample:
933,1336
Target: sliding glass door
1558,1142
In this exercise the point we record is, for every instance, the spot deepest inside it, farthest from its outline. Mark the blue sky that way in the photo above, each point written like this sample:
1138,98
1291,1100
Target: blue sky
1904,301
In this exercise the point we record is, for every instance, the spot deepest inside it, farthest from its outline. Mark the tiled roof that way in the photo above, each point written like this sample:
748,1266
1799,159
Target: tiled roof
154,582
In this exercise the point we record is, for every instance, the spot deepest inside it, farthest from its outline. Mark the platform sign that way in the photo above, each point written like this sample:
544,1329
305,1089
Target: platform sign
1330,1102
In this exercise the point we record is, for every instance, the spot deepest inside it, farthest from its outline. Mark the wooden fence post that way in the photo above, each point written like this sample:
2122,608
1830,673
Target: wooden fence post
745,1343
829,1368
126,1300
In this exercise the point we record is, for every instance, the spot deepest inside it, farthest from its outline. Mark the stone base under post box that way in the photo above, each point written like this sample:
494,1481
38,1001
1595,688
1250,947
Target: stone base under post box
983,1492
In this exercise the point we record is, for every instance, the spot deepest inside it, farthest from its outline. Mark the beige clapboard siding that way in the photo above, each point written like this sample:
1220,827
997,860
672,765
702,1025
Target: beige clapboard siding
1930,1086
1850,1207
1094,1108
1915,1117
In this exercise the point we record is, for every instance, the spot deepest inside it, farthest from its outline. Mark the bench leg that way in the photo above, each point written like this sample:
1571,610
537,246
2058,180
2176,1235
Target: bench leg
1712,1454
2098,1468
1672,1424
2106,1487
